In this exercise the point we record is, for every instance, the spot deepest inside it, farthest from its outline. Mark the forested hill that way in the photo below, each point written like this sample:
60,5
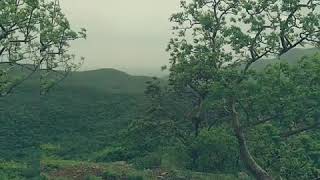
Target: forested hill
83,113
292,57
114,81
87,109
81,116
107,80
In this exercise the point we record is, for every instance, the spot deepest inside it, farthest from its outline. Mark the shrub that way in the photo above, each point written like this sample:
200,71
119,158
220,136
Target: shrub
91,177
115,176
217,151
134,177
150,161
110,176
112,154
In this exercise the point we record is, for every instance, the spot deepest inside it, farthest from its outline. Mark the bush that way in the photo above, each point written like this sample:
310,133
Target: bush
7,176
91,177
217,151
150,161
110,176
49,150
30,173
115,176
175,158
11,170
133,177
112,154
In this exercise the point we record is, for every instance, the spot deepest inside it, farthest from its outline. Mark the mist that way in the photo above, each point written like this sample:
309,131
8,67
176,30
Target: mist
130,36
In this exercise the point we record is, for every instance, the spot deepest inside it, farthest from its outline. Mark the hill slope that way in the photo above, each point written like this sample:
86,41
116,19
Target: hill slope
107,80
82,114
292,57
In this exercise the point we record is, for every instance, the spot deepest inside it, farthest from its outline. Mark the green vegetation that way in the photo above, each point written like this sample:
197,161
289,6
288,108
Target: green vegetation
35,36
87,124
241,100
119,170
212,54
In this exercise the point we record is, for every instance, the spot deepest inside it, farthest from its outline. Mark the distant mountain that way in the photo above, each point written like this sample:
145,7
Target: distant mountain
292,57
107,80
296,54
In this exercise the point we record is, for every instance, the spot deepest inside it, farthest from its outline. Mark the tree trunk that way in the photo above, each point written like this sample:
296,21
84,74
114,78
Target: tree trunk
195,157
245,155
195,152
196,123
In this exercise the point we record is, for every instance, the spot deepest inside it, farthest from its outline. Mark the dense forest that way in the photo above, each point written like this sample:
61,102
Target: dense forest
241,99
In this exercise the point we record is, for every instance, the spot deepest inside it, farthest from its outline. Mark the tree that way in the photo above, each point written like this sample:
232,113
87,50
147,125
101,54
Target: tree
280,106
217,42
157,128
35,35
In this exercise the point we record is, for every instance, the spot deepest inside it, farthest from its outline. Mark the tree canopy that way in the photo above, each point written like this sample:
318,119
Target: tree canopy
35,35
216,43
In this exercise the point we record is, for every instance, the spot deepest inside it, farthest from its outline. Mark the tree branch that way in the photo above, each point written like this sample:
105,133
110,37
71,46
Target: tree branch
300,130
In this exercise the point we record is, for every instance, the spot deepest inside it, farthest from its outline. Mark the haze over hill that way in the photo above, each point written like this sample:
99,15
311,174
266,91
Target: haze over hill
107,79
130,36
292,56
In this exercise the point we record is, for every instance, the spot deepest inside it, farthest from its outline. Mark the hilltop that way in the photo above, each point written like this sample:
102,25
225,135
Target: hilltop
107,80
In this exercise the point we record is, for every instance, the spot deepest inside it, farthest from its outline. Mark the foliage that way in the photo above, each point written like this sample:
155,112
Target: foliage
70,109
155,129
90,177
217,151
122,170
17,171
76,119
111,176
112,154
35,35
212,53
218,108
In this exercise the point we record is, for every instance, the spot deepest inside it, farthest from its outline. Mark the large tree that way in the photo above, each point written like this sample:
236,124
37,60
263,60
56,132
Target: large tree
34,35
216,44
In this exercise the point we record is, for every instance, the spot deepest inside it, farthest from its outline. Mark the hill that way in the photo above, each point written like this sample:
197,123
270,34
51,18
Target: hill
107,80
83,114
292,57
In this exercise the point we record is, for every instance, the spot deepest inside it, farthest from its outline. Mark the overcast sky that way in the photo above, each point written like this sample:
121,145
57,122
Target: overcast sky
129,35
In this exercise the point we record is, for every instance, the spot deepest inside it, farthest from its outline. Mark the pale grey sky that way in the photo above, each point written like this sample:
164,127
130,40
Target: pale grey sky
129,35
